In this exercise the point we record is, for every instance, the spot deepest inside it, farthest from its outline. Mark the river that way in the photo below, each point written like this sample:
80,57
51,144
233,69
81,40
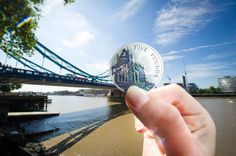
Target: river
68,104
77,112
223,112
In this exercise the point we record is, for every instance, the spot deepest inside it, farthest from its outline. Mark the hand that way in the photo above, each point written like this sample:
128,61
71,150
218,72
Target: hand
172,121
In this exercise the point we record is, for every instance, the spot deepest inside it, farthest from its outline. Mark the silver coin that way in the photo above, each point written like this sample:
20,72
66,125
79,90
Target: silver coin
136,64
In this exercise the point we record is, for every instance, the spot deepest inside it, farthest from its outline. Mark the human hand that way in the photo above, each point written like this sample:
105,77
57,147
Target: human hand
172,121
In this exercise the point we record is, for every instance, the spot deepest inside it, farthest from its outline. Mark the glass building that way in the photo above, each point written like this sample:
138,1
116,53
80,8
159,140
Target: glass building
227,84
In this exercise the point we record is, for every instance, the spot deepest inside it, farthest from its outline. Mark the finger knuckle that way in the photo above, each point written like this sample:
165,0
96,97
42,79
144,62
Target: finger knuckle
176,87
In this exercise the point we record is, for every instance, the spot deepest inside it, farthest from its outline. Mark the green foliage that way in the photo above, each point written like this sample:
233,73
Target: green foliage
19,40
193,89
68,1
6,88
210,90
16,39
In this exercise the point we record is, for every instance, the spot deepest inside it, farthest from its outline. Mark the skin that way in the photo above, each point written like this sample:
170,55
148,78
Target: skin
172,121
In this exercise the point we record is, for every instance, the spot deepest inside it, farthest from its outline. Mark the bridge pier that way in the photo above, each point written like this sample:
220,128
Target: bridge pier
115,95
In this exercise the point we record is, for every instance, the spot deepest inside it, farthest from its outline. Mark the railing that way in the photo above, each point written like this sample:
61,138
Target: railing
36,75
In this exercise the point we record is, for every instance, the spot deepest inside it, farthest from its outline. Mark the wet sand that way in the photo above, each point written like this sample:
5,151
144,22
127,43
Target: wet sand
116,137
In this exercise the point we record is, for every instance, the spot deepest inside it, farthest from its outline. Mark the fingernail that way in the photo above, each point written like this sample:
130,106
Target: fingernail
136,97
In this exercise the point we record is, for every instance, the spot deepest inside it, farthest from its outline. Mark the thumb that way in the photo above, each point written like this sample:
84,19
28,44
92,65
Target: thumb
162,118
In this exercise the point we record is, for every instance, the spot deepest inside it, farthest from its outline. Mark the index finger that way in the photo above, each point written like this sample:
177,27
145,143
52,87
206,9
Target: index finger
177,96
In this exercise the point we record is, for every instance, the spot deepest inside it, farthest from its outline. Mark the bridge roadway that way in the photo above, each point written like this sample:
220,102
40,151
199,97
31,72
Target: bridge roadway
16,75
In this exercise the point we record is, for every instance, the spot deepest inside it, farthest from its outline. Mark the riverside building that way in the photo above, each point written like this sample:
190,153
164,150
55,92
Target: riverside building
227,84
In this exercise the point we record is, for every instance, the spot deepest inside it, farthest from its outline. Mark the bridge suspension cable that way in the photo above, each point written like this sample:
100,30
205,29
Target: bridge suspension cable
104,73
30,64
62,63
104,76
56,59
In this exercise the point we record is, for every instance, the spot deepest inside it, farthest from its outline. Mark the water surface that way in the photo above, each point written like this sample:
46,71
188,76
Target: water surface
68,104
81,111
223,112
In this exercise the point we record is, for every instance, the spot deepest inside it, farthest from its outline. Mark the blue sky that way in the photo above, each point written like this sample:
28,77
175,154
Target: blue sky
88,32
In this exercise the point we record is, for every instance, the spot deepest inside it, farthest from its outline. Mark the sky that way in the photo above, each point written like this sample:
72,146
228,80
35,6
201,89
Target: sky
200,33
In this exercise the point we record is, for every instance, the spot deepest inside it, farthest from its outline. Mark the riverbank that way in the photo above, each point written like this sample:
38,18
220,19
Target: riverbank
84,122
20,104
38,130
116,137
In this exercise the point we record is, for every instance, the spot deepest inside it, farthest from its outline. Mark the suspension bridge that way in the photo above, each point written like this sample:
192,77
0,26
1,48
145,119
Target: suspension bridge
34,73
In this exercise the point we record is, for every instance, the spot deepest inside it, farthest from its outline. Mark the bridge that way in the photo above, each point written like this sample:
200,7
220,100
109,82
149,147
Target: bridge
15,75
39,75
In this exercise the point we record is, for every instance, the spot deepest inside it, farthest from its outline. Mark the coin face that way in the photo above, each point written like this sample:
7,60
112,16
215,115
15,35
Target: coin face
136,64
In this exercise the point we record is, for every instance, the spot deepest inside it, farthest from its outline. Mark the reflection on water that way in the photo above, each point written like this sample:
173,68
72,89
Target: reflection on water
67,122
223,112
76,112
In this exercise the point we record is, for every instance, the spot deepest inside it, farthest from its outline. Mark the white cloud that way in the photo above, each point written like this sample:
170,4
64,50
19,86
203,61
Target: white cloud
206,66
75,22
50,5
62,24
218,56
58,49
199,47
205,70
196,71
171,58
201,74
98,67
180,18
80,39
128,10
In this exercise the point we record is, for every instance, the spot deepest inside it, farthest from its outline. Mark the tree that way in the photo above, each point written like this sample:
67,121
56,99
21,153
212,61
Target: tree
214,90
210,90
218,90
18,22
6,88
201,91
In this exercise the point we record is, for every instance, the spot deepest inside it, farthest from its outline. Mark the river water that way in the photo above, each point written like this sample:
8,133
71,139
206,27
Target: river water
77,112
68,104
223,112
